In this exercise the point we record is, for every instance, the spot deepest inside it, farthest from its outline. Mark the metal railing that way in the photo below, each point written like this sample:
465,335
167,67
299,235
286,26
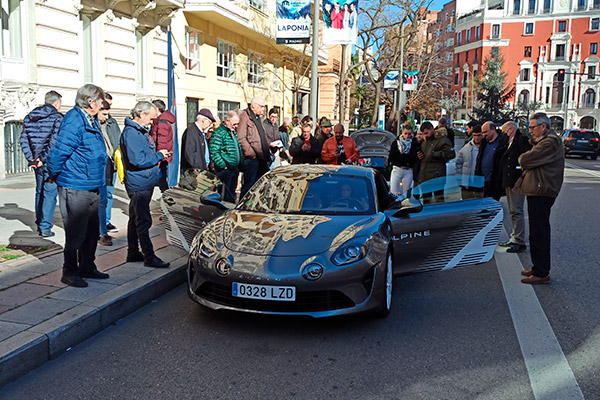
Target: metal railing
14,160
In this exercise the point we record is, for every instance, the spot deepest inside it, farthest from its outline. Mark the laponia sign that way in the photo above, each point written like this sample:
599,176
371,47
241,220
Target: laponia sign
294,20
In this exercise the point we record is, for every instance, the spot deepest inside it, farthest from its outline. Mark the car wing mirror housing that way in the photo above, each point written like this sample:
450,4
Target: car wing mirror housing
409,205
213,199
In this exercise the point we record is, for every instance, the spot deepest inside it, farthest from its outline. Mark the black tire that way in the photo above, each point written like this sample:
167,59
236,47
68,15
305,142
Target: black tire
594,157
386,303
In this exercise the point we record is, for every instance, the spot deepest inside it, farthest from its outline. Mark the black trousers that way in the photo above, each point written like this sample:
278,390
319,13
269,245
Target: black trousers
164,176
79,209
229,177
538,208
140,221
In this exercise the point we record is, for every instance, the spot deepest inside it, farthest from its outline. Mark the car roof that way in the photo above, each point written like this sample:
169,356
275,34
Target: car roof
348,170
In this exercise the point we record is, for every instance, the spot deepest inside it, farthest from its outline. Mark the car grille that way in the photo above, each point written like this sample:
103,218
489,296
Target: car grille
323,300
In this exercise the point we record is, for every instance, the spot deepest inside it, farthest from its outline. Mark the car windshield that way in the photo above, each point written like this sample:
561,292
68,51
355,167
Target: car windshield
581,135
310,193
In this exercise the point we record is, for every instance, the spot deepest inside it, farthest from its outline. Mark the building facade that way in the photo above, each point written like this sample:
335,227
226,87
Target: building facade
537,39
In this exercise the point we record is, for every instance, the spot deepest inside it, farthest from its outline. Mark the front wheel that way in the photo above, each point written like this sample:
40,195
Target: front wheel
386,303
594,157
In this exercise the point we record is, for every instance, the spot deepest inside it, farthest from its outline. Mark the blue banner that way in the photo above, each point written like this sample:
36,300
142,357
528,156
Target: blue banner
172,106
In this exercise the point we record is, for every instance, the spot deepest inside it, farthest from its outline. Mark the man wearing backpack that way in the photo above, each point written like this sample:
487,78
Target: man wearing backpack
162,134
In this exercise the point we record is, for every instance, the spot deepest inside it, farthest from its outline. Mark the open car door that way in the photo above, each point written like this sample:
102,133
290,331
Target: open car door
374,146
185,212
454,228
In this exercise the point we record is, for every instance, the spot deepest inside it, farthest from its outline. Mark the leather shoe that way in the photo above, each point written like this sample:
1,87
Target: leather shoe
135,257
527,272
516,248
533,280
94,274
156,262
73,280
506,244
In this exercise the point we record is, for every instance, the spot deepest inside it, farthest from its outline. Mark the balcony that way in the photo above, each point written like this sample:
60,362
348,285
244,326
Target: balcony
588,105
221,11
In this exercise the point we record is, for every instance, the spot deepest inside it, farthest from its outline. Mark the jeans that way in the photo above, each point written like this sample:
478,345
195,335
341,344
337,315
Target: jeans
539,208
401,180
139,223
79,209
110,190
516,202
106,192
229,177
45,200
251,166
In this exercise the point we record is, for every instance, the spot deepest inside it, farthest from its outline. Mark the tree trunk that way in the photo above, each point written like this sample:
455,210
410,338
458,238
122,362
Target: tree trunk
375,117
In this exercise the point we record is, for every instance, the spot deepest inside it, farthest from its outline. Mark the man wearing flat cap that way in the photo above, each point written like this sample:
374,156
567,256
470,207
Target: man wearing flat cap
195,151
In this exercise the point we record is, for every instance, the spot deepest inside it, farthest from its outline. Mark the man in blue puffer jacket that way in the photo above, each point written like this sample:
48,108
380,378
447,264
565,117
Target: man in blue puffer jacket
141,160
40,129
77,163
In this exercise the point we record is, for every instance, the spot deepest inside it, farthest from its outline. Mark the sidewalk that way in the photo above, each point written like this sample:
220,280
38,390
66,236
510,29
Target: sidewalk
40,317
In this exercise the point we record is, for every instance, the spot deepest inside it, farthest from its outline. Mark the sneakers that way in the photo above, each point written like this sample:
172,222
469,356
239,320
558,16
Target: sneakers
111,228
516,248
105,240
46,234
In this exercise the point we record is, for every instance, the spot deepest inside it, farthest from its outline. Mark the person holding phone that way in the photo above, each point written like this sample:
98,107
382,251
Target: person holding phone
339,149
162,134
305,149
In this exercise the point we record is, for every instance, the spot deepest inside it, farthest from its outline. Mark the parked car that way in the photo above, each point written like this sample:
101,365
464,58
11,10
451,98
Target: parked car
581,142
323,240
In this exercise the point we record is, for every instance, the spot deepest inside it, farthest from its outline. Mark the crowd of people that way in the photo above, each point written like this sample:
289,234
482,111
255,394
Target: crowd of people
74,157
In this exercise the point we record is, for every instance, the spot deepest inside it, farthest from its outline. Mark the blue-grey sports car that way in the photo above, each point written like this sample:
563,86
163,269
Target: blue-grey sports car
323,240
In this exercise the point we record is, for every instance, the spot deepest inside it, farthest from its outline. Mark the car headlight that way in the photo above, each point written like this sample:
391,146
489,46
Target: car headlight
353,250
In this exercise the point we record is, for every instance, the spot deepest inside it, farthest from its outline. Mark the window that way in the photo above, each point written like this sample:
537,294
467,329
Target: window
223,107
524,97
596,4
226,60
527,51
260,5
446,18
531,8
517,7
580,5
562,26
547,7
594,24
529,28
458,59
88,61
476,55
467,56
191,106
589,98
495,52
10,28
276,78
591,72
456,78
468,36
477,31
256,66
459,38
560,52
525,73
465,77
193,41
139,49
495,31
593,48
452,14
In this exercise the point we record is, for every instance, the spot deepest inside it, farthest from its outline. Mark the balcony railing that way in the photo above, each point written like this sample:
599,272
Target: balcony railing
588,105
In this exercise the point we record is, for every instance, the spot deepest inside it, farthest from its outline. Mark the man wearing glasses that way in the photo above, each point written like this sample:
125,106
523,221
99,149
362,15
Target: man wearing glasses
226,153
543,172
509,172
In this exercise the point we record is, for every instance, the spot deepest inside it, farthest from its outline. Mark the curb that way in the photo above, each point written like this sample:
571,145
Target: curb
30,349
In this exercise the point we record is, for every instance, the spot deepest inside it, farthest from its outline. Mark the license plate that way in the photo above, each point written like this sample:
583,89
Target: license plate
264,292
582,141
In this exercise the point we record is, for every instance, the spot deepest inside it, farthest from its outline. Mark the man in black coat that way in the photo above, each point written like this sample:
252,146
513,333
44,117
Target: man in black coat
488,160
305,149
40,130
509,171
195,151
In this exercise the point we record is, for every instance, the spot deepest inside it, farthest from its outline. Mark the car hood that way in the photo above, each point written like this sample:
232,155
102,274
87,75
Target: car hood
290,235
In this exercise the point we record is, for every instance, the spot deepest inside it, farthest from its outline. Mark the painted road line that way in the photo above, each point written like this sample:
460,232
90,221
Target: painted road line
549,372
587,171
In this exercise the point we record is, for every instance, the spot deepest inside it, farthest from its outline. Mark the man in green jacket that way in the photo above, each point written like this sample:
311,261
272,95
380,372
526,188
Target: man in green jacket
226,154
543,172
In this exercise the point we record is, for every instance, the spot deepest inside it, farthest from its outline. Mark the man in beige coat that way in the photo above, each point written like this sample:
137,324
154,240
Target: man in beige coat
543,172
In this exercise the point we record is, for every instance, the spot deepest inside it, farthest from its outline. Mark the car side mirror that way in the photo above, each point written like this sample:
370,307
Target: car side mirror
408,206
213,199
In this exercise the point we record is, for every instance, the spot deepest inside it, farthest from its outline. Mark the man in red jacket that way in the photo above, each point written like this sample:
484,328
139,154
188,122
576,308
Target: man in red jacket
339,149
162,134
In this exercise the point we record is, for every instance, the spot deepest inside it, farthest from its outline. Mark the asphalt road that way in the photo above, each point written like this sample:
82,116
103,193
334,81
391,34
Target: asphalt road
450,335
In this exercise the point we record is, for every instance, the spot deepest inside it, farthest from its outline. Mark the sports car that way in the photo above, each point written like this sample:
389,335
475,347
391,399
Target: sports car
323,240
